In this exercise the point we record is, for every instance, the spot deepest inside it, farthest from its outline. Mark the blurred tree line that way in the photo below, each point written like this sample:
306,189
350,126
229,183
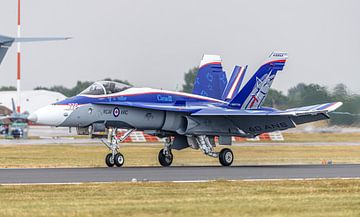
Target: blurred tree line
7,88
305,95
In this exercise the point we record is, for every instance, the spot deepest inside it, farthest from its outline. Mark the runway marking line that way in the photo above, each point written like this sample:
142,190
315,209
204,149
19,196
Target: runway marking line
183,181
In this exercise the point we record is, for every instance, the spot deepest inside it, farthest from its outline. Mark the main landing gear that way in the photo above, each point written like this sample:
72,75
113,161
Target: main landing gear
115,157
165,156
226,156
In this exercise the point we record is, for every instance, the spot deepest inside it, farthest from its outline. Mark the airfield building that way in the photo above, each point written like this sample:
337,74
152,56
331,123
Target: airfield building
30,100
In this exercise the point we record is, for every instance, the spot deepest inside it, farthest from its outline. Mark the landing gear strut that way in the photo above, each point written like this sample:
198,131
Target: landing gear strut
115,157
225,156
165,156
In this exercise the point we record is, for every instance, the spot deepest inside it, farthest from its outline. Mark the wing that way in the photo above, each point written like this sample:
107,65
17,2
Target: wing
257,121
10,119
307,110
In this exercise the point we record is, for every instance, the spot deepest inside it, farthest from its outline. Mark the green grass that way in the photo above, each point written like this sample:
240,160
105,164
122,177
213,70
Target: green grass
241,198
289,137
146,155
321,137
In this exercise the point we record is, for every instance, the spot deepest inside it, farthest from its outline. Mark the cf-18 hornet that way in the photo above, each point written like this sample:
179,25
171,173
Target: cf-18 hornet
216,108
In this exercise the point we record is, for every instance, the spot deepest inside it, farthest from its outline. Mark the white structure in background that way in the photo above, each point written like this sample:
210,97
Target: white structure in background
30,100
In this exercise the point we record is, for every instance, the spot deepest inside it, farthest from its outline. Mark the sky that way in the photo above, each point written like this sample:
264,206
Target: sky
153,43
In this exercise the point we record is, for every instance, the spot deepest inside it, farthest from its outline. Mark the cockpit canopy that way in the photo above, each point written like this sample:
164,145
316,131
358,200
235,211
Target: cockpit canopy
104,88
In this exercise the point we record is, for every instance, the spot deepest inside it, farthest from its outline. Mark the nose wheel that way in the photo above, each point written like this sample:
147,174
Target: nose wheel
109,160
119,159
115,158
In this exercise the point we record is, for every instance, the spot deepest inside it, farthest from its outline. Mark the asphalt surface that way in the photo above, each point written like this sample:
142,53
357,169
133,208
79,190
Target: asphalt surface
75,175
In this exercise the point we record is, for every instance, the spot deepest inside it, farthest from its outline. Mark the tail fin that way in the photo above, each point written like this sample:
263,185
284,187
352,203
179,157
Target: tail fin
211,79
13,105
253,94
233,87
6,42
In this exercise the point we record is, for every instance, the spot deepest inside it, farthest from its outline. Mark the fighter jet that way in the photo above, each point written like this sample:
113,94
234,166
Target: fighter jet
14,116
185,120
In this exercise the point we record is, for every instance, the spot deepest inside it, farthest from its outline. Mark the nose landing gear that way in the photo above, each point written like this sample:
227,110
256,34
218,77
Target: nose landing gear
109,160
115,157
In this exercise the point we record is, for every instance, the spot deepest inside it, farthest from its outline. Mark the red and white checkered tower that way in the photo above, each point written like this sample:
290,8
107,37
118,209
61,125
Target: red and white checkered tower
18,101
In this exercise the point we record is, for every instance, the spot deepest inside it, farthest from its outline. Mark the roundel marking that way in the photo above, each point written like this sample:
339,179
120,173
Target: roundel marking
116,112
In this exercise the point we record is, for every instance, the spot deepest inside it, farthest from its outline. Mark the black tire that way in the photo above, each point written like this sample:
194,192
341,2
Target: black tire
226,157
109,160
165,161
119,159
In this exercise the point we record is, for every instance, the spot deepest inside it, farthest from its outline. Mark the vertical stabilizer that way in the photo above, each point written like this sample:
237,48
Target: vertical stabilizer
211,79
253,94
5,43
234,84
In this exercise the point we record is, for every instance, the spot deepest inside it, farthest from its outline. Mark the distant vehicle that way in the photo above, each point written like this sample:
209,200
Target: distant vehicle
17,133
14,125
214,109
4,129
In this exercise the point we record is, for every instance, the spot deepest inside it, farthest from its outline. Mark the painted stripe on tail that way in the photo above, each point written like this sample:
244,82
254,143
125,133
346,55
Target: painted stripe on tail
253,94
235,82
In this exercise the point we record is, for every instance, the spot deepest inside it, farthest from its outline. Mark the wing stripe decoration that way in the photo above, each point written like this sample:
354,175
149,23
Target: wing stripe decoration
315,109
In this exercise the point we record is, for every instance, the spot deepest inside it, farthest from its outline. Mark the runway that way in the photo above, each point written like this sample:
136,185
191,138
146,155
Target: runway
80,175
97,142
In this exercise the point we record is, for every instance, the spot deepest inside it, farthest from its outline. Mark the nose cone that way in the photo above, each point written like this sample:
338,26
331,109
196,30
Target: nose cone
51,115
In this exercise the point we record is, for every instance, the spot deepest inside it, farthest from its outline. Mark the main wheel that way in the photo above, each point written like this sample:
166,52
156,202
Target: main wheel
226,157
109,160
119,159
165,160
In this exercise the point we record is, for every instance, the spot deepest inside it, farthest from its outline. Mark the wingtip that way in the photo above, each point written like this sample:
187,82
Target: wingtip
334,106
